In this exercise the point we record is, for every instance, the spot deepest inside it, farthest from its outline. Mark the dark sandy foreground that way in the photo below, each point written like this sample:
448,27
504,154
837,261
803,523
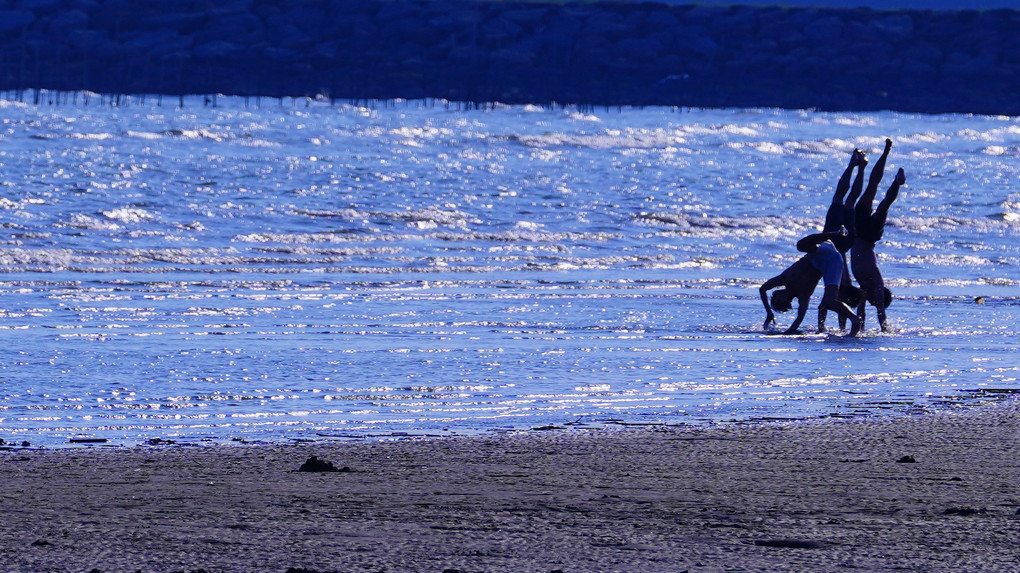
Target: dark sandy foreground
827,496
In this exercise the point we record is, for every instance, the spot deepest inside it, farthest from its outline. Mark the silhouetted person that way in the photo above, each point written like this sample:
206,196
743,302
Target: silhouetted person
870,226
798,281
841,214
821,262
827,259
841,210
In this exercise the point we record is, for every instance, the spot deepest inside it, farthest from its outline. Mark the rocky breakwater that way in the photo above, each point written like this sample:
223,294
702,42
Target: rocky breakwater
638,53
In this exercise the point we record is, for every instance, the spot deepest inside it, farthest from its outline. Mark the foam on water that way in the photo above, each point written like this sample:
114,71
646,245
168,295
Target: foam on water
308,270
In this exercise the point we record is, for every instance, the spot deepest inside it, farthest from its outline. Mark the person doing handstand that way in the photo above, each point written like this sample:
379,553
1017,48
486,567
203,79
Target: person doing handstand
841,214
841,210
798,281
824,256
821,261
870,226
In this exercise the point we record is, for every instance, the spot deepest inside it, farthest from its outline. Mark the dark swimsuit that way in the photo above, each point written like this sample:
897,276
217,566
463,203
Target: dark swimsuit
870,228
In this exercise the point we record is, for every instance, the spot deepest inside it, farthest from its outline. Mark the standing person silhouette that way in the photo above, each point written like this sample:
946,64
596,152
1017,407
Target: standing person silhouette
870,226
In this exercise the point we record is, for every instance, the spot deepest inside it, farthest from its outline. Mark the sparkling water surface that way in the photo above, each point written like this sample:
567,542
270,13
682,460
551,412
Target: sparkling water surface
301,269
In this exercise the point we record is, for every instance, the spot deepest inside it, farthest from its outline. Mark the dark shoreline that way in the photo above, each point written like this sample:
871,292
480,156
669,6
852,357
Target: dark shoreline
603,53
920,493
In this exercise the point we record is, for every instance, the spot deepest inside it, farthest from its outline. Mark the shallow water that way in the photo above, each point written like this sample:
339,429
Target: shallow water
298,269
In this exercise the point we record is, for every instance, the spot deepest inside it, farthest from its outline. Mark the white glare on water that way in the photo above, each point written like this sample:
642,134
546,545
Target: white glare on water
306,270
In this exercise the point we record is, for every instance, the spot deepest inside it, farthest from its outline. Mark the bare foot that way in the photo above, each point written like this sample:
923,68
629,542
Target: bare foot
862,159
901,177
888,144
858,158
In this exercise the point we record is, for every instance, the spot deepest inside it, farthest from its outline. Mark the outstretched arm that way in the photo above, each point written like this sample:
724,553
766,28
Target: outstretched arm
770,317
802,306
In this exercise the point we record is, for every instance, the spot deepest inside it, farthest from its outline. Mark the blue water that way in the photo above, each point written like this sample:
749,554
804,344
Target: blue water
301,270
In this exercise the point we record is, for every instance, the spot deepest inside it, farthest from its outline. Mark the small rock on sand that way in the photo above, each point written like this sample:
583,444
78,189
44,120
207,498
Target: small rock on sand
314,464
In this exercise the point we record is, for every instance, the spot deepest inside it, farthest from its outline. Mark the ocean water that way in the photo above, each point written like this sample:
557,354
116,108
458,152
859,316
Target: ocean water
282,270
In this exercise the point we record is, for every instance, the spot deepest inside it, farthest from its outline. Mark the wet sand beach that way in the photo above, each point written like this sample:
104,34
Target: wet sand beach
935,492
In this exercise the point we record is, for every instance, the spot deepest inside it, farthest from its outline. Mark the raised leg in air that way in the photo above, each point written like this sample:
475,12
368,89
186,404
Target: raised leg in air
878,170
891,195
834,216
858,185
863,208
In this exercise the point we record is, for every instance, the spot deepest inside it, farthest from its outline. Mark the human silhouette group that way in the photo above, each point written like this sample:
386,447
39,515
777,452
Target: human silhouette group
851,226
